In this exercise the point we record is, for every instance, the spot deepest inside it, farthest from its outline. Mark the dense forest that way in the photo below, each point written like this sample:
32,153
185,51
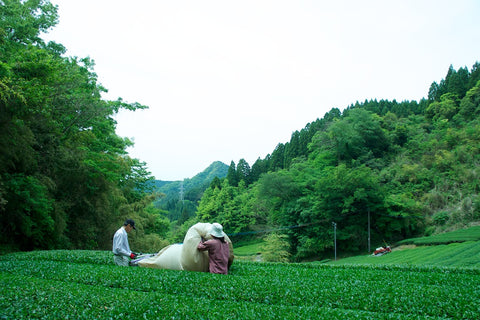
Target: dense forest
386,170
66,180
180,199
380,171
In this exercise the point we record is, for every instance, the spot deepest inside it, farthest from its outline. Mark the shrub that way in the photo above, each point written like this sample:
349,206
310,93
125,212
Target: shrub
275,248
440,218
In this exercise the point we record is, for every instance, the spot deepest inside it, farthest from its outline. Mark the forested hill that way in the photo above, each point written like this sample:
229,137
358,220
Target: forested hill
215,169
66,179
180,198
391,169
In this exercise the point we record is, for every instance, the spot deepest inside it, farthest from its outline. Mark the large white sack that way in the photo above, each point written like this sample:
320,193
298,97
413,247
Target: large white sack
186,256
167,258
191,258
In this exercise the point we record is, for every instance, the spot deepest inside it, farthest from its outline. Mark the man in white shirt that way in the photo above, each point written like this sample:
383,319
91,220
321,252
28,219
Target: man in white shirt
121,248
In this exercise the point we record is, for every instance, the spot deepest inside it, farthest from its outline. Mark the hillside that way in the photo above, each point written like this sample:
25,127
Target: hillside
382,169
460,248
465,254
378,169
181,197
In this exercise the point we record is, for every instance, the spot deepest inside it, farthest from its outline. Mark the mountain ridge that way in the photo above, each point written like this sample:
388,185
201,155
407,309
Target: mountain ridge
215,169
182,196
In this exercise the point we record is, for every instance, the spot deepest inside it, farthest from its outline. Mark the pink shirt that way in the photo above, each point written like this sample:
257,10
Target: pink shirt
218,254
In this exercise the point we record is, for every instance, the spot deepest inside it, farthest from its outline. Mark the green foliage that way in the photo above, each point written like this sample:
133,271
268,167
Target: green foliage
455,82
23,21
86,284
232,176
445,109
243,172
276,248
179,210
403,164
66,180
440,218
460,235
65,176
358,136
249,249
470,105
344,196
454,255
229,205
28,211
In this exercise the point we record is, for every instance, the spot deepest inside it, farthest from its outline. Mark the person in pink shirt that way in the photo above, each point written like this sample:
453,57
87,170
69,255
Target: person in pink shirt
218,250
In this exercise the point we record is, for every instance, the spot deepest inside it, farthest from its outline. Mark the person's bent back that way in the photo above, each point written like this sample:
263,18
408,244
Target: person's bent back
218,250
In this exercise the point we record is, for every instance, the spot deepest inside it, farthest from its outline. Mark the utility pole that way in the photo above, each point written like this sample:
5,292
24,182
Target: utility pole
181,191
335,238
368,230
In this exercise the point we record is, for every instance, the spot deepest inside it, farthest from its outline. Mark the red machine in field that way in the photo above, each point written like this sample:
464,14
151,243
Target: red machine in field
381,251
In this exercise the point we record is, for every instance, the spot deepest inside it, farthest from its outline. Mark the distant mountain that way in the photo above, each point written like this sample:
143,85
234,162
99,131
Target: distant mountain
216,169
188,190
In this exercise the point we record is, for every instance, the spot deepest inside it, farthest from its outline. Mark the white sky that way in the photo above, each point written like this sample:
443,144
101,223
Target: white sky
226,80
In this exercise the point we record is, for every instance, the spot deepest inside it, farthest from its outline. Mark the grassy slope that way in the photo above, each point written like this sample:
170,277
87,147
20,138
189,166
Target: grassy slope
460,235
460,248
248,250
466,254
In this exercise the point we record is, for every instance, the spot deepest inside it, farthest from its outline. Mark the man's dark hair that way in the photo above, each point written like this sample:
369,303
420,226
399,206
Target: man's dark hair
129,222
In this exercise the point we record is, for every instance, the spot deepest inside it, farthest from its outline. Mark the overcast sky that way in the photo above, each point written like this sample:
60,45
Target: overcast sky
226,80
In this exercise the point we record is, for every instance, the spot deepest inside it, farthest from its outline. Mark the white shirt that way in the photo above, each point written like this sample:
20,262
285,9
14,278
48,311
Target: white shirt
120,243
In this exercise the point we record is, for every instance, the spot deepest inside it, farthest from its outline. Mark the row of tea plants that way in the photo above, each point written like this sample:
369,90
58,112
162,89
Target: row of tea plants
86,285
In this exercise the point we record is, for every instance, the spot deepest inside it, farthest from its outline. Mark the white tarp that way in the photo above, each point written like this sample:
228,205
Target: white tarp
185,256
167,258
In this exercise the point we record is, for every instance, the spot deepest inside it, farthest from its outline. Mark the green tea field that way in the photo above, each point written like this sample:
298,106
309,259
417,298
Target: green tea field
86,285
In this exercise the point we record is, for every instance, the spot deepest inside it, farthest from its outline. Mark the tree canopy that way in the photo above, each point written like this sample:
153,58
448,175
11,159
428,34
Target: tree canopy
387,169
66,179
403,168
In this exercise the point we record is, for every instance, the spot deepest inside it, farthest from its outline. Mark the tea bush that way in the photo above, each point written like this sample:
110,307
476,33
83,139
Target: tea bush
464,255
460,235
86,285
